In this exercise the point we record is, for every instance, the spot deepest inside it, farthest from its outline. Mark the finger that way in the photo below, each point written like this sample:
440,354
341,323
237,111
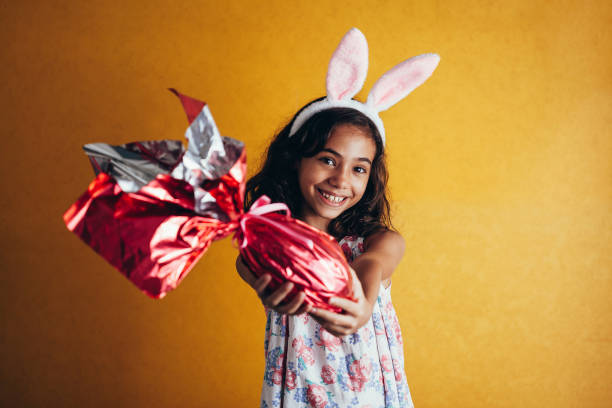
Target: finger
278,295
333,319
261,283
335,330
349,306
305,308
293,306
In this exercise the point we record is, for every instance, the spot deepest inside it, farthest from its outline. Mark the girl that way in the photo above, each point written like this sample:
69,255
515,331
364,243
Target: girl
328,166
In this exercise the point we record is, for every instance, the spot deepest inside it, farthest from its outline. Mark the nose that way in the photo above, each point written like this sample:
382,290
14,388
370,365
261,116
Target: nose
340,177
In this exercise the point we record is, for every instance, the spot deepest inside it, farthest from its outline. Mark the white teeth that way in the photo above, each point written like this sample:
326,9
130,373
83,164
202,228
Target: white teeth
332,198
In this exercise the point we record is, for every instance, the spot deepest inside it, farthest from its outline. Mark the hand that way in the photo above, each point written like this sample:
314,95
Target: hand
275,300
356,313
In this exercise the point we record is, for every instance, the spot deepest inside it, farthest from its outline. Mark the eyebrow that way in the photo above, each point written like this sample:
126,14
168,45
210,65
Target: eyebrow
335,153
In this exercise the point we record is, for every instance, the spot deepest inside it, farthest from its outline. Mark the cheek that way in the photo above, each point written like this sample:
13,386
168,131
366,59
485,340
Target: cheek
307,175
304,180
303,188
361,187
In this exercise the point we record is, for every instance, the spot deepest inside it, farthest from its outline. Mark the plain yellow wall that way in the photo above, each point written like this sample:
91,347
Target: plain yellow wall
501,175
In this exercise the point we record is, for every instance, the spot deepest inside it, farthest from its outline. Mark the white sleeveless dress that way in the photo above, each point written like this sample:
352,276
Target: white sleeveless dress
308,367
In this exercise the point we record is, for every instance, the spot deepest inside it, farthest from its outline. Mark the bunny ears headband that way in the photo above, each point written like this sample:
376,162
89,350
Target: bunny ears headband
347,72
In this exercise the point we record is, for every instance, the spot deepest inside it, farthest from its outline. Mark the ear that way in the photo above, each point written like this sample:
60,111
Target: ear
400,80
348,66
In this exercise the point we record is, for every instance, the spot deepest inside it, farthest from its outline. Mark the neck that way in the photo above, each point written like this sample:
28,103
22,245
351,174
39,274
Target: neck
314,221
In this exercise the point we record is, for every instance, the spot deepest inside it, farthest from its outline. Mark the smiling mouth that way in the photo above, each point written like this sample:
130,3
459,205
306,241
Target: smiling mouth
331,199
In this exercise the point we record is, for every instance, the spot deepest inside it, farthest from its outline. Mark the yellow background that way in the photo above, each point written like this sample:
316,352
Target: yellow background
501,176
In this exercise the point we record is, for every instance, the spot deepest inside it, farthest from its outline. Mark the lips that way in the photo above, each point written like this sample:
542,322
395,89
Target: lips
331,199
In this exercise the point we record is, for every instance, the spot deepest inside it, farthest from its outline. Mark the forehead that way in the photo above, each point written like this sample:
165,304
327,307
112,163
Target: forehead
352,142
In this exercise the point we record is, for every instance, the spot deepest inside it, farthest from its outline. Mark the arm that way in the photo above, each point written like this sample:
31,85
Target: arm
384,250
272,300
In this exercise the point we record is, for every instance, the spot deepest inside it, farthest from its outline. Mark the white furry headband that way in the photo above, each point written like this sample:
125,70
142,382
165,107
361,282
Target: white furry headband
347,72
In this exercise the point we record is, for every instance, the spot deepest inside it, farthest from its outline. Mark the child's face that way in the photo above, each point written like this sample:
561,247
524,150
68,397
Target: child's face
335,179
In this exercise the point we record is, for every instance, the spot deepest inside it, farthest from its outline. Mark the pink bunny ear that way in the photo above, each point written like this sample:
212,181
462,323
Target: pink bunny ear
348,66
400,80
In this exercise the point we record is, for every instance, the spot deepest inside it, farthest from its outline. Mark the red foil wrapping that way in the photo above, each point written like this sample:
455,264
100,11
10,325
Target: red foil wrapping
154,209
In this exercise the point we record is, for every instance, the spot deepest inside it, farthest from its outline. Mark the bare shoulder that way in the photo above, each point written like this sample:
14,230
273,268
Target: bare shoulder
386,241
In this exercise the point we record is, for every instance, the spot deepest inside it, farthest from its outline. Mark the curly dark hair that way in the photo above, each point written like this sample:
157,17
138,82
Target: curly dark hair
278,177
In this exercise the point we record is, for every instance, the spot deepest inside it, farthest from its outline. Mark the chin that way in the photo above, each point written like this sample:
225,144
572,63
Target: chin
332,213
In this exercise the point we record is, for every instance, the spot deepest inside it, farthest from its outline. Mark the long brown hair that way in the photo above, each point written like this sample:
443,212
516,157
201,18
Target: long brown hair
277,177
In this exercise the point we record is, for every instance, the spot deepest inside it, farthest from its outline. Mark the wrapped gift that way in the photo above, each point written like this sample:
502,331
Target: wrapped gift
155,207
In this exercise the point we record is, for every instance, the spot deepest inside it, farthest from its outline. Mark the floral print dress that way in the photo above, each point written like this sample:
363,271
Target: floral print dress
308,367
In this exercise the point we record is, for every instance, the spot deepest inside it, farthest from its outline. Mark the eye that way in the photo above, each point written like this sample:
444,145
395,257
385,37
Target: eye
361,170
327,160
